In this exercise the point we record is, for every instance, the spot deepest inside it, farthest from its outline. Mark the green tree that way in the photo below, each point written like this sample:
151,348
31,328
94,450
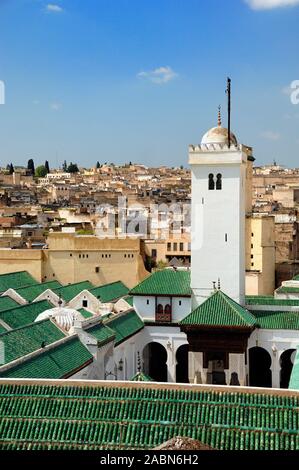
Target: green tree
41,171
47,166
11,169
98,165
64,166
30,166
73,168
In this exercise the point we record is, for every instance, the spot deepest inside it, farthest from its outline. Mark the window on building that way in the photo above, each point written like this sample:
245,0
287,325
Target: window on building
180,302
154,253
79,256
226,237
125,256
84,303
252,264
181,246
219,181
97,269
71,254
211,181
175,247
252,234
251,245
168,246
147,302
86,256
251,256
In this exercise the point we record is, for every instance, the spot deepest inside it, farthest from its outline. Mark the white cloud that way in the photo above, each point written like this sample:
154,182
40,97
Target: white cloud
159,75
269,4
52,8
55,106
270,135
287,90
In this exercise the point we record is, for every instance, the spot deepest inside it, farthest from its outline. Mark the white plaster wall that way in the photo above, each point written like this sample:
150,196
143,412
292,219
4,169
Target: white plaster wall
50,296
15,296
180,311
93,303
145,311
148,311
214,214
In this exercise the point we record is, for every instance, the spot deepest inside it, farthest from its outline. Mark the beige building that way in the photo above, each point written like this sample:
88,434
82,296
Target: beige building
71,258
166,250
260,255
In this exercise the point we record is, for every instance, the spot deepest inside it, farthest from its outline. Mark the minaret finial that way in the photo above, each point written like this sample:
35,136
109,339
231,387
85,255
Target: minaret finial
219,116
219,284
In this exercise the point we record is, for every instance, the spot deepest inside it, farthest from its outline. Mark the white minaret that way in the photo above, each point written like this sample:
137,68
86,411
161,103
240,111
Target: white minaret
218,215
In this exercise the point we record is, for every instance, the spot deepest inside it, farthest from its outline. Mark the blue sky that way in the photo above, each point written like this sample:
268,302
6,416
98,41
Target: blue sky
139,80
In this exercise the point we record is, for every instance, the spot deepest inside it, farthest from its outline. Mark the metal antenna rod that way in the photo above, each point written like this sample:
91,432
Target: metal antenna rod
228,91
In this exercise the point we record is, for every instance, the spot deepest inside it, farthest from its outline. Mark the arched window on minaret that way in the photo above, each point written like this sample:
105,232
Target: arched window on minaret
211,181
219,181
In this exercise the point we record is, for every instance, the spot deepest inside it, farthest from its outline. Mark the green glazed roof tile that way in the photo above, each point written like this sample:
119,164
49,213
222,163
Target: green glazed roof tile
67,293
45,416
141,377
2,329
129,300
287,290
273,320
57,363
30,293
102,333
23,341
261,300
6,303
24,314
166,282
85,313
16,280
125,325
110,292
220,310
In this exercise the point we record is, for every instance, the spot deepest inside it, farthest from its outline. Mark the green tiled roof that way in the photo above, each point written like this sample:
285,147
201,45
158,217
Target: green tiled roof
125,325
85,313
296,278
220,310
288,290
136,415
260,300
110,292
273,320
16,280
2,329
67,293
24,314
32,292
165,282
294,380
129,299
141,377
102,333
25,340
7,303
56,363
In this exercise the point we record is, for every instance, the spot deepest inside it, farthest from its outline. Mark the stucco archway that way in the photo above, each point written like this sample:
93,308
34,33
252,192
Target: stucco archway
182,369
260,361
286,365
155,361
